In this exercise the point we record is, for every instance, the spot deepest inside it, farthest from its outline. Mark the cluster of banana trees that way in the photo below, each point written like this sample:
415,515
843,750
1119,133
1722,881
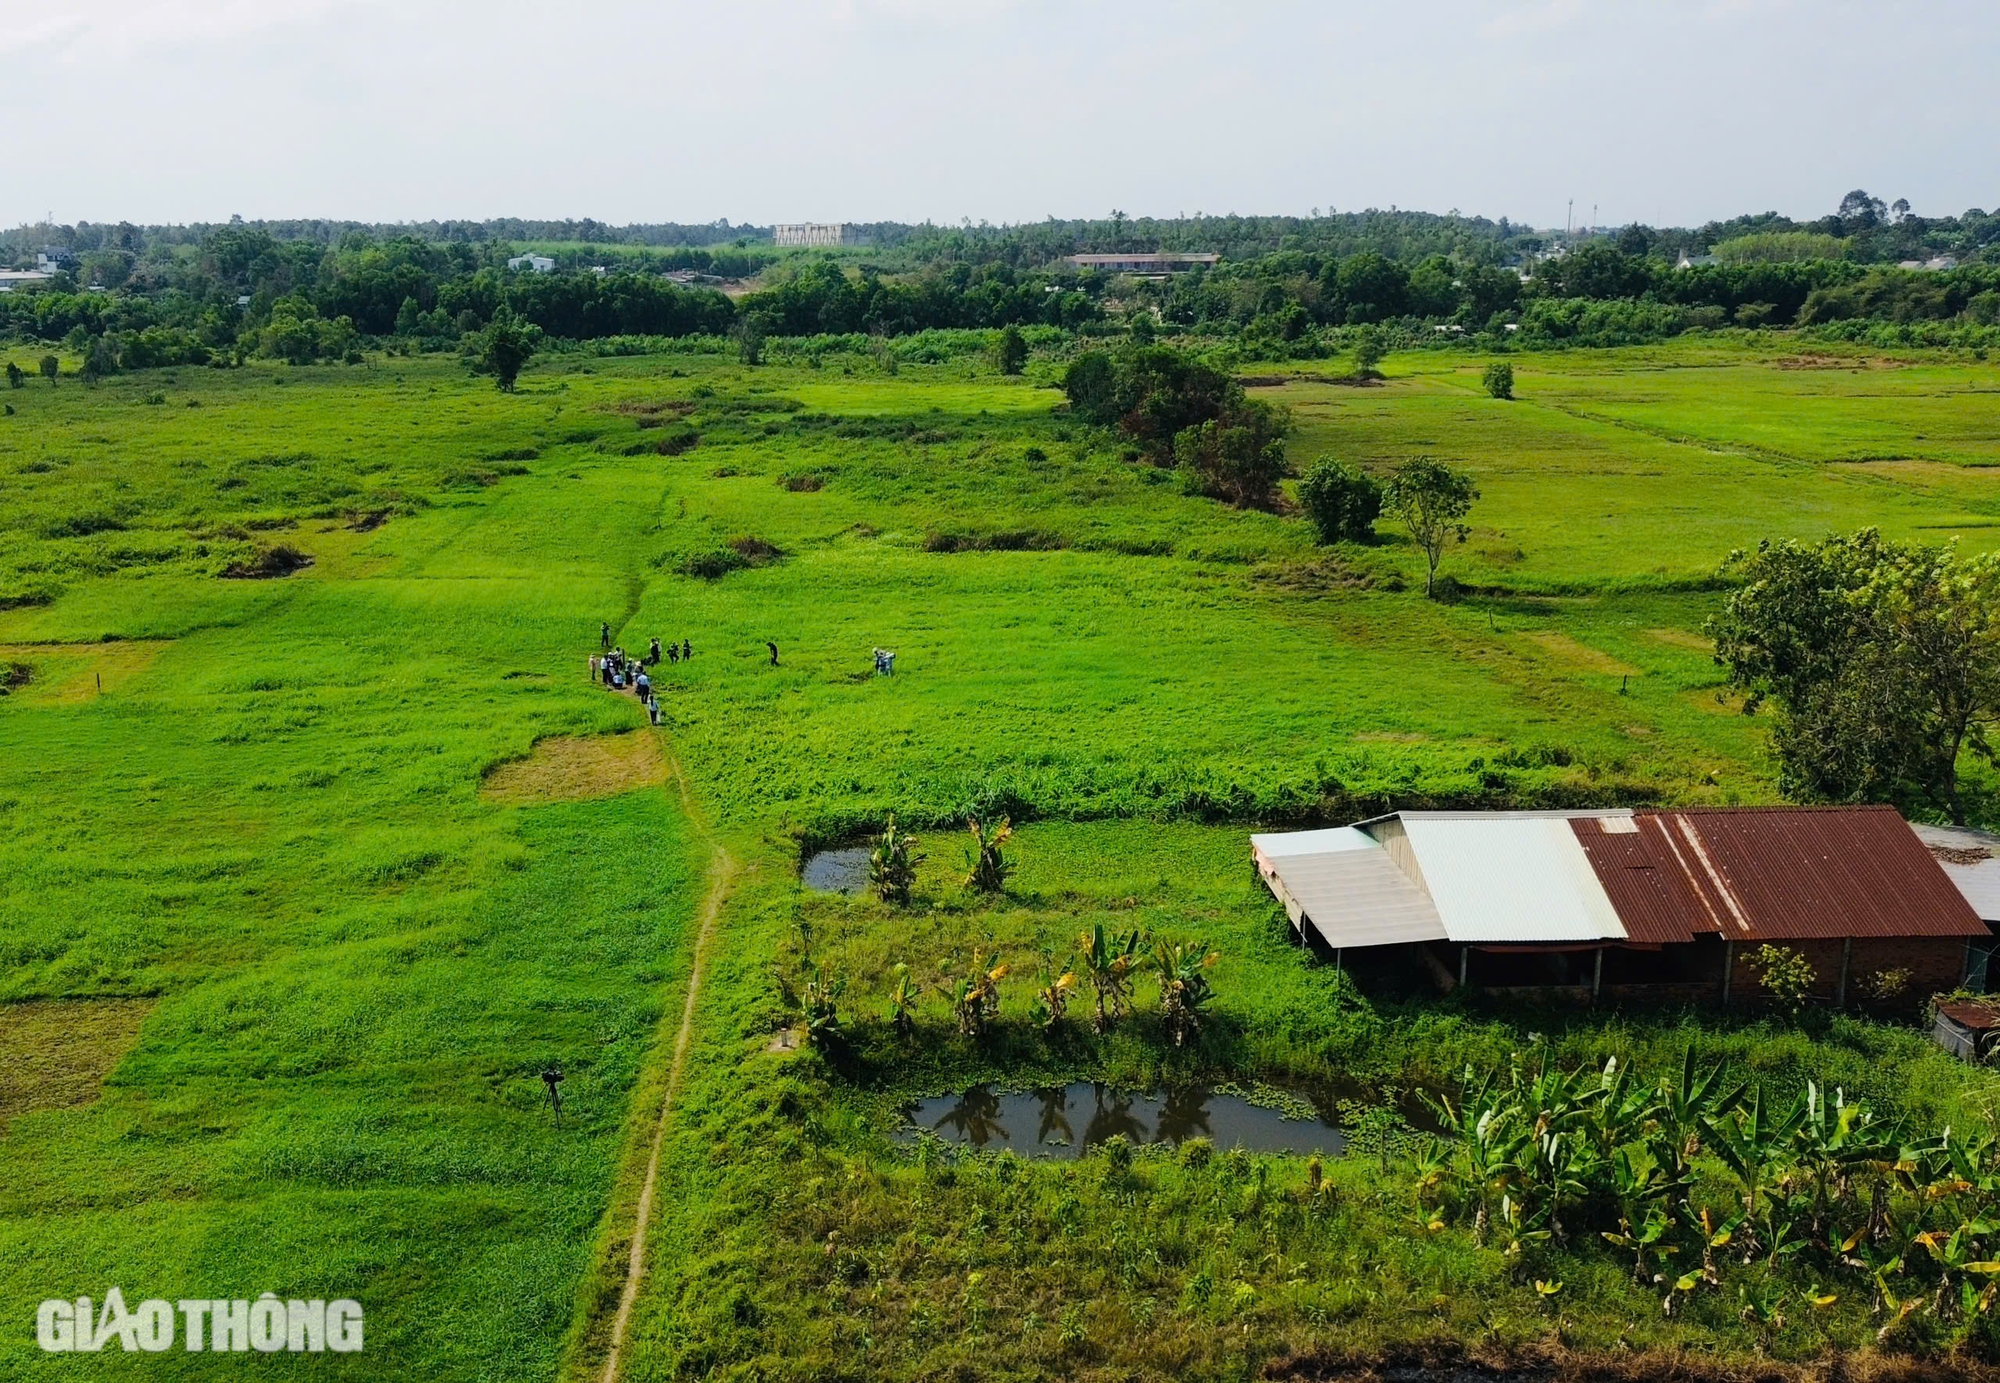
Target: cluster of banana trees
1109,963
1698,1176
1105,962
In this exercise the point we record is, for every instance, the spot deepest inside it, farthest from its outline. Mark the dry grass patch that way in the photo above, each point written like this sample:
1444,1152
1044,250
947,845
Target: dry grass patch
1583,657
55,1054
568,769
1683,638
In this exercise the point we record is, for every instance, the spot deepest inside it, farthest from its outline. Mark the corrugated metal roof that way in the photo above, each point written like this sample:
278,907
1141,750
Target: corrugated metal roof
1345,885
1644,876
1795,873
1517,877
1958,852
1751,874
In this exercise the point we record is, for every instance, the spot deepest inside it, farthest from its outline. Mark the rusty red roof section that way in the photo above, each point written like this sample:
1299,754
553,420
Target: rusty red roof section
1773,874
1645,878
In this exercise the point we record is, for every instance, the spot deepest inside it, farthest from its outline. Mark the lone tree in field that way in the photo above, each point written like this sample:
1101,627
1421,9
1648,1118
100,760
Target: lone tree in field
1368,353
1013,350
1499,380
1883,660
505,346
51,367
1432,500
1341,503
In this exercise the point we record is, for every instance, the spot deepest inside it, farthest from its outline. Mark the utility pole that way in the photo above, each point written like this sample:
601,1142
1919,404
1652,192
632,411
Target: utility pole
1569,220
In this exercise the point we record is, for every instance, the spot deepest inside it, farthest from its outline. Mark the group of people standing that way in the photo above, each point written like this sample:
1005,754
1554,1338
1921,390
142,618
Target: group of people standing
622,672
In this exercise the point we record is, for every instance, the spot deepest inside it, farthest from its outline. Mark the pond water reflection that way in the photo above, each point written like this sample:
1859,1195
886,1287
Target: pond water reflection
1066,1121
844,870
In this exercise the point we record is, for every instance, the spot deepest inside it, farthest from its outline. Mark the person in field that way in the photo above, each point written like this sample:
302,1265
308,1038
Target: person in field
653,657
604,635
687,650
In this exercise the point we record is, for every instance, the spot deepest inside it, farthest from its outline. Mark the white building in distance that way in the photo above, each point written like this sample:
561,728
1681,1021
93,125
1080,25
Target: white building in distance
540,264
806,234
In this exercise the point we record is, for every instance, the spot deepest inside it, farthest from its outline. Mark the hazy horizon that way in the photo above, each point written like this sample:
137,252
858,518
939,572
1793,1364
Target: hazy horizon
164,111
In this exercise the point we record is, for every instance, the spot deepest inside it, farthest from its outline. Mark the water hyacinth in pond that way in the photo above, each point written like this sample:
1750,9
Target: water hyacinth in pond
1067,1121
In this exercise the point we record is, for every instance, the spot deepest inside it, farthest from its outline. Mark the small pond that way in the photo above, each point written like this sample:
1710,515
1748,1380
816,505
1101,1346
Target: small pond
1068,1120
843,870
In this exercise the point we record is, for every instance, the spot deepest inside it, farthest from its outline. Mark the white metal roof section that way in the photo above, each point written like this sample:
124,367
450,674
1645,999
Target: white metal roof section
1956,850
1280,843
1344,883
1513,878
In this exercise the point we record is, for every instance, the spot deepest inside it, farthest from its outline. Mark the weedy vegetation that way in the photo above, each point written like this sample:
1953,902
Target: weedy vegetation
303,775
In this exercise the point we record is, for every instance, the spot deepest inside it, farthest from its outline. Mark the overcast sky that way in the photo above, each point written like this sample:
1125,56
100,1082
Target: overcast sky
1005,110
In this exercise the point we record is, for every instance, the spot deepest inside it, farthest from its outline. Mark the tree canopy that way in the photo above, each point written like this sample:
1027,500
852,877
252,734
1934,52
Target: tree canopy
1883,661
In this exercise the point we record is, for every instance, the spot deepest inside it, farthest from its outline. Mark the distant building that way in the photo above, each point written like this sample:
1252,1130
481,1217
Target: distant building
1935,265
540,264
1688,261
1150,266
805,234
50,260
10,279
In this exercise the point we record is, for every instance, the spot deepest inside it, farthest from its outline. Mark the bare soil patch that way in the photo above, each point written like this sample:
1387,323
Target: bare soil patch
569,769
55,1054
269,564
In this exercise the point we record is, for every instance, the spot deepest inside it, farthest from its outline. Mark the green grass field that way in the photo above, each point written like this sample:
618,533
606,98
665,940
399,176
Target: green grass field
247,815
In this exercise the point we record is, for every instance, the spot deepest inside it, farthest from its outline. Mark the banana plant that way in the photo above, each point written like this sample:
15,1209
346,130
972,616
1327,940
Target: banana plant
1622,1110
892,864
1642,1241
975,995
1054,984
1184,988
901,1013
1959,1260
1751,1142
816,1000
1108,962
1685,1103
1831,1141
1716,1235
1514,1235
1640,1186
990,868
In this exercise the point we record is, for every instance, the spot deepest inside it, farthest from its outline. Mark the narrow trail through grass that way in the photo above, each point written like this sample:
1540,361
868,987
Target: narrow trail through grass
722,870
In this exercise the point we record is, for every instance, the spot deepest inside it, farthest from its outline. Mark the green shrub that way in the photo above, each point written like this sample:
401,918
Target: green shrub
1499,380
1341,503
1785,975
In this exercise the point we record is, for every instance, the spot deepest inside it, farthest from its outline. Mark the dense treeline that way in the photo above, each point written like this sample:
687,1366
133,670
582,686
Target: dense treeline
1286,286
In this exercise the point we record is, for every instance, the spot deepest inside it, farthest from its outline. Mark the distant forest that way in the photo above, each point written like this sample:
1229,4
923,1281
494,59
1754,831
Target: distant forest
128,297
